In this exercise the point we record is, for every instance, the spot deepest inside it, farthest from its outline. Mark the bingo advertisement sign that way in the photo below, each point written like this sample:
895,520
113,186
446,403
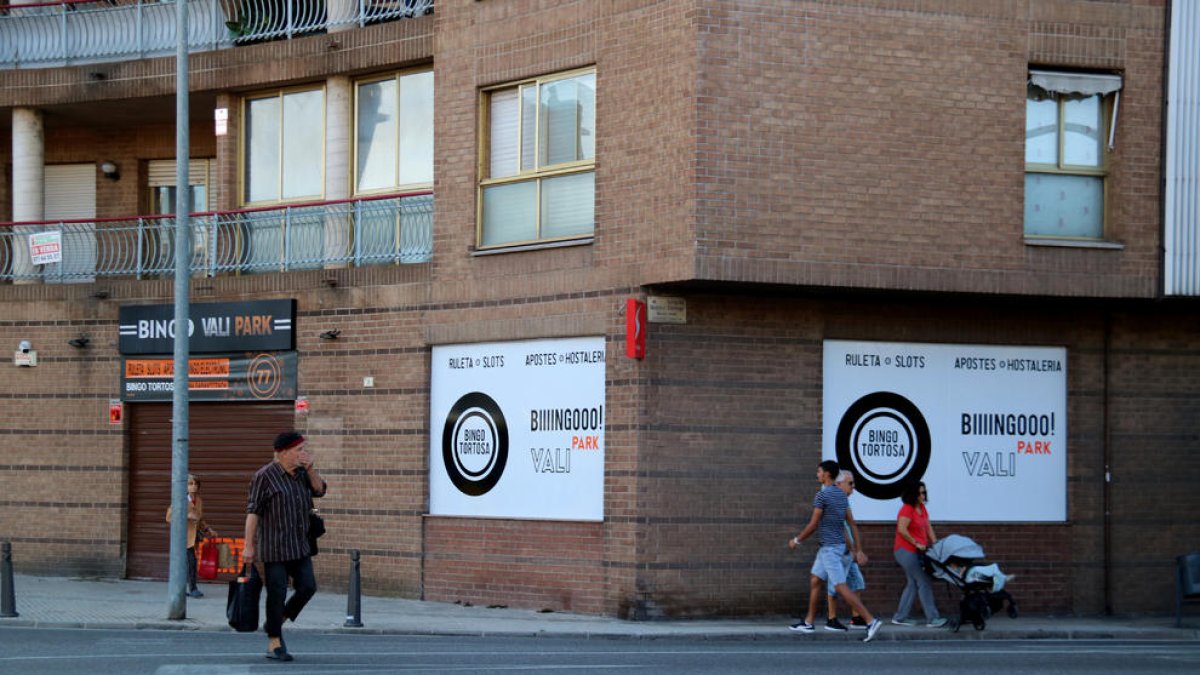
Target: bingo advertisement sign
985,427
517,429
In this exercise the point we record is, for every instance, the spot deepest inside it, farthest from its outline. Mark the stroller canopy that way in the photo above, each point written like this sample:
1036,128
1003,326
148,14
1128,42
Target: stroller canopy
957,546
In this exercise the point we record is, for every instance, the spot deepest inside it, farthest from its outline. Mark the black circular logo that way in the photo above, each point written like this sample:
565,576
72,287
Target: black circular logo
475,444
884,439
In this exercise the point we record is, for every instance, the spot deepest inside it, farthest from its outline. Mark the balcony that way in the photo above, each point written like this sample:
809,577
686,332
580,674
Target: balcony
385,230
92,31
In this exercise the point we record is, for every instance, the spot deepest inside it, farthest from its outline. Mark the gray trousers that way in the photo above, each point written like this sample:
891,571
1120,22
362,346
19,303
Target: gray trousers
919,584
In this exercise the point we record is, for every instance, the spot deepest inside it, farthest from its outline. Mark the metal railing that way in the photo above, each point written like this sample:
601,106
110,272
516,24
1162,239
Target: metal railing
389,229
91,31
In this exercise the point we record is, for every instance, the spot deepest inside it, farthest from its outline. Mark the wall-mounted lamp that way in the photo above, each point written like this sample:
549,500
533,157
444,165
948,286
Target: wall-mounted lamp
331,334
331,282
80,342
110,170
101,294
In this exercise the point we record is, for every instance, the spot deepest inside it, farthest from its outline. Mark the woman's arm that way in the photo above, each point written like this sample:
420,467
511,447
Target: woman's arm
902,524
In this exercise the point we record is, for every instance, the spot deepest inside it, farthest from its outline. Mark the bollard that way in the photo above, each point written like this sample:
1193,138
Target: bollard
8,603
354,594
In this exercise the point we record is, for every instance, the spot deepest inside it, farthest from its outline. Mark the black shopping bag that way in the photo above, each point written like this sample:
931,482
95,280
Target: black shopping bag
242,606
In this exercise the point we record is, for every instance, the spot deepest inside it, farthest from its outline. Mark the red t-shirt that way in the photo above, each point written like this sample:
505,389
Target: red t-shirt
918,527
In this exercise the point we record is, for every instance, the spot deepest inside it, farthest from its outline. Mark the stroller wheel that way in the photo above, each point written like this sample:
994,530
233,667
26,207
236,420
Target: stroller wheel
980,625
1012,611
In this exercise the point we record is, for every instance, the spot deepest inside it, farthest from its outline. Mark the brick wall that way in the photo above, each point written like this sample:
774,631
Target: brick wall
881,144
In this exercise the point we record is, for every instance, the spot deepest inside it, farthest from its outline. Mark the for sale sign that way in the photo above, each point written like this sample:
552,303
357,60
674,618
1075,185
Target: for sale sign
983,426
45,247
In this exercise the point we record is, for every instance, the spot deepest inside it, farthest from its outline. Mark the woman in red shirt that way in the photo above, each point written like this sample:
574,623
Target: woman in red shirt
914,534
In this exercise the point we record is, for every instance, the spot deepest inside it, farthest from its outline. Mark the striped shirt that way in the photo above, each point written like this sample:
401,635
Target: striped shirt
834,504
282,503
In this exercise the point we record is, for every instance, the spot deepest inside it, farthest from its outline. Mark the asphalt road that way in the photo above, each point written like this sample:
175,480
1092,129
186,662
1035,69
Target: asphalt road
126,652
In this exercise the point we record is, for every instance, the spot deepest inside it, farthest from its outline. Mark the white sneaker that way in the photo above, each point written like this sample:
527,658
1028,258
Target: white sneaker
872,629
802,627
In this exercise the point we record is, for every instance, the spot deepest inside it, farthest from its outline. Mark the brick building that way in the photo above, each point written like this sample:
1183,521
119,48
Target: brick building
820,200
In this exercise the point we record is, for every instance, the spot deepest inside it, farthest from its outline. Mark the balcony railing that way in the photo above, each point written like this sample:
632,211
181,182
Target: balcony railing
90,31
383,230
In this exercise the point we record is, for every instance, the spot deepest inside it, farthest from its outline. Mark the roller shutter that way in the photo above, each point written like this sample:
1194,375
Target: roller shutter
228,442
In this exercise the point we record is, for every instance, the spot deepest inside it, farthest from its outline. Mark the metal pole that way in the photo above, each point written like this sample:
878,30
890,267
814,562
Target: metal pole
8,602
177,579
354,595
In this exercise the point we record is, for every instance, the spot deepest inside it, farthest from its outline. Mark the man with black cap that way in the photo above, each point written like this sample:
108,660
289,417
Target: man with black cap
277,517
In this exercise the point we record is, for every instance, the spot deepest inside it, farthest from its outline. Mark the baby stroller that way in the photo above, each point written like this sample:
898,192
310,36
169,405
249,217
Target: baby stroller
958,560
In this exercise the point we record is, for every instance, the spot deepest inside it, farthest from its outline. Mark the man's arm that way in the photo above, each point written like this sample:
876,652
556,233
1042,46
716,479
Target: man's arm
859,556
249,551
808,529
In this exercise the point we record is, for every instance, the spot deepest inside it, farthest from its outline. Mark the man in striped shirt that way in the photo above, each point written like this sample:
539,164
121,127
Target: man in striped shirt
830,510
277,516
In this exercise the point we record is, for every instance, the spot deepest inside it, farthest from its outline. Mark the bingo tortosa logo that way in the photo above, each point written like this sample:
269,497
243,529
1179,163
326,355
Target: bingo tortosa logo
884,440
475,444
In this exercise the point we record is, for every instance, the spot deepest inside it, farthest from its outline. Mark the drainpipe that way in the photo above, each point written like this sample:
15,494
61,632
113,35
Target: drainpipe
1107,498
29,176
338,218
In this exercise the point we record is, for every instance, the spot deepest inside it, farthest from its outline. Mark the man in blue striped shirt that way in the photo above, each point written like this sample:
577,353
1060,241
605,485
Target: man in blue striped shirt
829,516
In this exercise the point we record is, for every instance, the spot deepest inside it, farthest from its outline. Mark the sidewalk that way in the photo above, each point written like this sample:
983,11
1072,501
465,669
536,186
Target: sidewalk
65,602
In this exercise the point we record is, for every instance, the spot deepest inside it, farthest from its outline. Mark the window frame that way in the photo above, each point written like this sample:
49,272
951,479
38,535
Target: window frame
1060,168
354,168
243,145
535,174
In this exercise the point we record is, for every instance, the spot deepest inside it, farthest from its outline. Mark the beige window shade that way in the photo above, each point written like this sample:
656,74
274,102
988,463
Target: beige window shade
1083,84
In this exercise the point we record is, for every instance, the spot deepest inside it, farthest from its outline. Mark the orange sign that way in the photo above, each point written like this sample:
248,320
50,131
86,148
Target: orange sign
160,368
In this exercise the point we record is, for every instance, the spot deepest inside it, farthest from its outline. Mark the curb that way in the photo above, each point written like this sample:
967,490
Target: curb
1151,635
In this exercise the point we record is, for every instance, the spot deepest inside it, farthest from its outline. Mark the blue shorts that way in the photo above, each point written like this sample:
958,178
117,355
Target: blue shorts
828,566
854,577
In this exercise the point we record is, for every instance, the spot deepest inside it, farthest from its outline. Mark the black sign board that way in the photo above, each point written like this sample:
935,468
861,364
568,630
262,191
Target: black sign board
258,325
217,377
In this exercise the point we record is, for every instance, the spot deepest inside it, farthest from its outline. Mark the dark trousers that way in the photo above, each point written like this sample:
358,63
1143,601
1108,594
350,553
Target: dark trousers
191,569
304,586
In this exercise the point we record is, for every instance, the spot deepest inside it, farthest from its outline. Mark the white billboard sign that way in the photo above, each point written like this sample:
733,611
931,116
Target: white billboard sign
984,426
517,429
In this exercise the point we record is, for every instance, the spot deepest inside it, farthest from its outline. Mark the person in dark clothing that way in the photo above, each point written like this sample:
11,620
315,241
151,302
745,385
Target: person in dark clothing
277,517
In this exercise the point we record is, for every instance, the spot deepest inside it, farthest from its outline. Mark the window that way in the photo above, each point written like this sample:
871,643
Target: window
284,146
539,163
393,133
160,179
1066,147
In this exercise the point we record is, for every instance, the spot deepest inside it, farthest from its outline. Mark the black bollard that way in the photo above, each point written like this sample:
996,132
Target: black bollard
8,602
354,594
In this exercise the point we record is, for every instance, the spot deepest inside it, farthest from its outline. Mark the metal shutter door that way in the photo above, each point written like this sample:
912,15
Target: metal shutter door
69,193
228,442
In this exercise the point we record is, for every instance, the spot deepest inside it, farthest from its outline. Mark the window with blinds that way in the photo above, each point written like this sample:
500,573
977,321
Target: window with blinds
1067,139
539,158
160,180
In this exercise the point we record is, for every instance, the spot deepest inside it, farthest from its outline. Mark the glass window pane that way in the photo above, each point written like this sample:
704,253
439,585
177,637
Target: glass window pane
568,205
262,149
559,122
376,135
1041,131
529,127
1081,132
503,133
509,213
587,116
1064,206
303,144
416,129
